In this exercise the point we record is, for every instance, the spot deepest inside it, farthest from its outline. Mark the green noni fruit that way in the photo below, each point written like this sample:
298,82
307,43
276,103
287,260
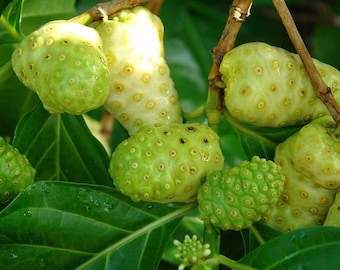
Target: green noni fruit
333,215
309,159
234,198
142,91
16,173
165,163
64,64
269,86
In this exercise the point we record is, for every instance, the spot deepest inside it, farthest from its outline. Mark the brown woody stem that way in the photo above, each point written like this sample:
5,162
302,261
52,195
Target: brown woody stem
323,91
155,5
100,10
239,10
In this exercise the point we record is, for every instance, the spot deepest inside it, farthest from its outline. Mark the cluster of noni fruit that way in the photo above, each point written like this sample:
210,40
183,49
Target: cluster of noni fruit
119,63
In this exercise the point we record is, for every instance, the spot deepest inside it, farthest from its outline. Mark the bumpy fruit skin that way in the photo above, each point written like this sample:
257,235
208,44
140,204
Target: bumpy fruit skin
309,159
269,86
165,163
333,215
64,64
16,173
234,198
142,91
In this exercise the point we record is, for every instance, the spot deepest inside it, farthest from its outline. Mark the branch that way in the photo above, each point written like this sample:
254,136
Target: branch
324,92
101,10
155,5
239,10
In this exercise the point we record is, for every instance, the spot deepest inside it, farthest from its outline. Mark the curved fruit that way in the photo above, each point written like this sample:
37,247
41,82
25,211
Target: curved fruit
235,198
165,163
309,161
64,64
333,215
16,173
142,91
268,86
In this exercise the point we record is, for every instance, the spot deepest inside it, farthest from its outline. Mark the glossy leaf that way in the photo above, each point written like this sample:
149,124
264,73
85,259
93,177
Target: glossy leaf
10,19
309,248
58,225
260,141
61,147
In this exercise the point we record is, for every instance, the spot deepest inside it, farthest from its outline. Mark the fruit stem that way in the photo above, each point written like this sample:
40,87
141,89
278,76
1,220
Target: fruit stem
239,10
155,5
187,116
257,235
101,10
212,236
223,260
324,92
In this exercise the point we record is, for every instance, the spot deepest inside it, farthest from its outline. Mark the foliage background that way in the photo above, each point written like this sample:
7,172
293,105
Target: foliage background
62,148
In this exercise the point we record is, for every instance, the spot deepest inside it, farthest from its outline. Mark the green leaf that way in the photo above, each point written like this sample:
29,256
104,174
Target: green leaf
61,147
15,99
10,19
59,225
309,248
260,141
37,12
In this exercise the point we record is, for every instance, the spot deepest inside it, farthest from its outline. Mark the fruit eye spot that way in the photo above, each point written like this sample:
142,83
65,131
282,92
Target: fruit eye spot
205,140
31,67
167,132
137,97
128,70
191,129
163,88
134,165
261,104
146,78
304,194
159,143
161,166
150,105
182,141
173,153
48,57
193,170
49,41
148,153
66,42
62,57
233,213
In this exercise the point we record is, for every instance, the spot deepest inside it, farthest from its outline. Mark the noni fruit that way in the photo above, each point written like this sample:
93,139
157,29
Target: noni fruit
63,62
333,215
269,86
142,91
166,163
309,159
16,172
234,198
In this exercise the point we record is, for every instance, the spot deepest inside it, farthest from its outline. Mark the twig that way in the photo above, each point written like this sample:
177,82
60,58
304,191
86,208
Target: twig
105,9
155,5
239,10
324,92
